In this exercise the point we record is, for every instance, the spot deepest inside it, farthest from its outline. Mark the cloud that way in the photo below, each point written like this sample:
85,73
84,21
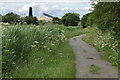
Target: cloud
53,1
25,8
87,8
1,6
71,9
54,9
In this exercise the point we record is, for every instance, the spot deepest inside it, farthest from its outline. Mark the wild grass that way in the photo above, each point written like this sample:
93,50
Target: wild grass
104,43
94,69
41,64
31,51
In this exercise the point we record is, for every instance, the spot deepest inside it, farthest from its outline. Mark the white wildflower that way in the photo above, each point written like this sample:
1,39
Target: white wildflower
63,31
35,42
13,63
45,47
42,43
60,53
50,50
52,44
33,46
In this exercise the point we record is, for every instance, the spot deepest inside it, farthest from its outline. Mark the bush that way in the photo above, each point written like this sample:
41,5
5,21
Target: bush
56,20
71,19
84,20
42,22
0,18
90,20
31,20
105,43
106,18
11,18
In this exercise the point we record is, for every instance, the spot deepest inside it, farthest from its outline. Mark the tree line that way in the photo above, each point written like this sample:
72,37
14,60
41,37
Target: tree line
105,16
69,19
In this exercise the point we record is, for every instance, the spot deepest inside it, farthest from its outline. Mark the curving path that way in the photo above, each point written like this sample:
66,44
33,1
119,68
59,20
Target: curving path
86,55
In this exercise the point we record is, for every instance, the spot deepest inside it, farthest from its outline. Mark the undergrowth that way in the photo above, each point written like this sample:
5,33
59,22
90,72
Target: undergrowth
42,51
104,43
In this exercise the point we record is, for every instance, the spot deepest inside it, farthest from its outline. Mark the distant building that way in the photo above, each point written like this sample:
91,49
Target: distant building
44,18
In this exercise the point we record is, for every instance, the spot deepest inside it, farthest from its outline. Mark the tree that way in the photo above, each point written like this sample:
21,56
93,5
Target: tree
11,18
0,18
71,19
84,20
90,20
31,20
56,20
106,15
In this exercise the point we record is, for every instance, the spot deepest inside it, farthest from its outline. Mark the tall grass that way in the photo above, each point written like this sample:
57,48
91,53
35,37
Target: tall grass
31,51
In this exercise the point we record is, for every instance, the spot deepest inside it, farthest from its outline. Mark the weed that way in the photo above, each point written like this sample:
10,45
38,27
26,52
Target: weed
104,43
31,51
74,39
94,69
84,51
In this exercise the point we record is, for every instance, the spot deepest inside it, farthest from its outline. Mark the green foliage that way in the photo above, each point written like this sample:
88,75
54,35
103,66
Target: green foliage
22,20
84,20
95,69
105,17
31,49
56,20
42,22
105,43
0,18
31,20
11,18
90,20
71,19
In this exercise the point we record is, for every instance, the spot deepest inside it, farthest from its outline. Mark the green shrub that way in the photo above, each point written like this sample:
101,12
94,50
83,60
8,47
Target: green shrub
84,20
56,20
105,43
0,18
11,18
71,19
31,20
42,22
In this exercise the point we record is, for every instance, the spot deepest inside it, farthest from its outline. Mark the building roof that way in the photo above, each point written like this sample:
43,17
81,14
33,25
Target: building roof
44,18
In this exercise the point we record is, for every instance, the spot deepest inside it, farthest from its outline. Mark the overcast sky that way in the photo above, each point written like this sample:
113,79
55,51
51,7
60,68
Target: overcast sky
55,8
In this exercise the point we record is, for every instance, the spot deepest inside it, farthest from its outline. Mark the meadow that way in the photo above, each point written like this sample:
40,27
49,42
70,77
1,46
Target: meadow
42,51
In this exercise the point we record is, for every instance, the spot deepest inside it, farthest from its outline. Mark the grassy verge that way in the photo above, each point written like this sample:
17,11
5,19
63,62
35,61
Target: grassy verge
104,43
42,64
31,51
